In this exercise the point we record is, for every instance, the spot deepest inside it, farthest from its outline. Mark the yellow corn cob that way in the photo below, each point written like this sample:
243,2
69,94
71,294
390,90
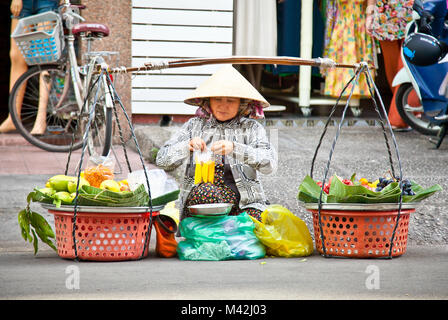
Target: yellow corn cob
197,173
205,172
211,171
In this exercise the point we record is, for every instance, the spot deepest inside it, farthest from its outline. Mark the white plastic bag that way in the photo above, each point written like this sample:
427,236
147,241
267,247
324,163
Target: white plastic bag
159,182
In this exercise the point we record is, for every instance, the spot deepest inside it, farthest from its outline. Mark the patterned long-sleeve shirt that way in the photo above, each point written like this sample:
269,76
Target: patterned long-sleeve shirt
252,153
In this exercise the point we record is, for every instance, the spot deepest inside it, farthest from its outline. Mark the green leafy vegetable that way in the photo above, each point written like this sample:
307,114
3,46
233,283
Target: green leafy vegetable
339,192
31,222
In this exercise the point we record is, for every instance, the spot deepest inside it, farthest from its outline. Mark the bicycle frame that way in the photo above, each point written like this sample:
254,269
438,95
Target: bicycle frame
81,87
69,17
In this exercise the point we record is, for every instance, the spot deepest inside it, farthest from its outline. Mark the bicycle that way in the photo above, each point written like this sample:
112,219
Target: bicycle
66,92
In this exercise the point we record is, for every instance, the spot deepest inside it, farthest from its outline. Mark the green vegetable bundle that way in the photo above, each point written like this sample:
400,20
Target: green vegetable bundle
91,196
339,192
32,223
33,226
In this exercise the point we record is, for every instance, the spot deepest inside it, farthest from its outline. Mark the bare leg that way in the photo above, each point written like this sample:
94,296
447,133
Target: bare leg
18,67
40,124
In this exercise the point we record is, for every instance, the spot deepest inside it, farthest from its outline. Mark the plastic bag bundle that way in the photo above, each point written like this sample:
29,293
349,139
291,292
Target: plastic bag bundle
282,233
223,238
159,182
98,169
204,167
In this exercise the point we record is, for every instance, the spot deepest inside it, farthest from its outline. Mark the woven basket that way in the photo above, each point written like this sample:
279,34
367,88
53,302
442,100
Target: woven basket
102,236
361,234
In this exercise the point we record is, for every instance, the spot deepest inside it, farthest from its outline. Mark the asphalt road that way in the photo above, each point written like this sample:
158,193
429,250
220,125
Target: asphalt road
419,274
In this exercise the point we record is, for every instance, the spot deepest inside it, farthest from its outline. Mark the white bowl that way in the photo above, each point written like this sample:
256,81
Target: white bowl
211,208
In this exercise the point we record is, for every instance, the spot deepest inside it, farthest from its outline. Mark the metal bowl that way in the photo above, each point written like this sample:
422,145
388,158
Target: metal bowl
211,209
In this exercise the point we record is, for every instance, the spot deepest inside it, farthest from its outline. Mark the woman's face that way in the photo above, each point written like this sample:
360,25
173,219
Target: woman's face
224,108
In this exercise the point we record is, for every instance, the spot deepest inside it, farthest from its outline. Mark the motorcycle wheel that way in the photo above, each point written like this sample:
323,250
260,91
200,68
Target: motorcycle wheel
413,115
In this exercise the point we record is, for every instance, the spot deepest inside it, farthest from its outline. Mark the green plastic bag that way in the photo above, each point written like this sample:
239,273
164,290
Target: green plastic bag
282,233
219,238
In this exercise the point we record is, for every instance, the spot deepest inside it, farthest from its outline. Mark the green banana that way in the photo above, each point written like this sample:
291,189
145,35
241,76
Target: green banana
47,191
60,182
62,197
71,185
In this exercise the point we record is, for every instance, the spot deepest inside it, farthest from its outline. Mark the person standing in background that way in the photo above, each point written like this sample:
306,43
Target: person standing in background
255,34
347,42
386,22
21,9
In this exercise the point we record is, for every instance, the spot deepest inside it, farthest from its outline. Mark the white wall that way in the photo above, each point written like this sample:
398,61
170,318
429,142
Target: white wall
164,30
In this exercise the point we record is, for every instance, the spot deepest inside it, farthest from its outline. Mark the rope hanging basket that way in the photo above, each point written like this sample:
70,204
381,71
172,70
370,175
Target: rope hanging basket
358,230
104,233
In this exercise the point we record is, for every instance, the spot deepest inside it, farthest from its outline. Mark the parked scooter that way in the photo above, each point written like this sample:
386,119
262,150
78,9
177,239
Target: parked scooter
424,69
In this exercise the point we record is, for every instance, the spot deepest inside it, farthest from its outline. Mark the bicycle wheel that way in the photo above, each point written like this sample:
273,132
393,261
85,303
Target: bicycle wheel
44,109
99,139
413,115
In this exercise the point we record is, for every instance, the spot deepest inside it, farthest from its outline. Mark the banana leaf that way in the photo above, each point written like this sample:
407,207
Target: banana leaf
309,192
342,193
111,194
91,196
421,193
165,198
38,196
107,202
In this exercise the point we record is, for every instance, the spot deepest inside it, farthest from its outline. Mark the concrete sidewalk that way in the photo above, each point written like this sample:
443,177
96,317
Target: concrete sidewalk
18,156
418,274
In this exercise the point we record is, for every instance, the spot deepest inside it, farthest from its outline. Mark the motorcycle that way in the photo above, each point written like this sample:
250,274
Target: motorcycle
424,70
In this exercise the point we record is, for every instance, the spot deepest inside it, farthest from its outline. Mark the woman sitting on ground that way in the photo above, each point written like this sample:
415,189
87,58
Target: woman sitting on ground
239,144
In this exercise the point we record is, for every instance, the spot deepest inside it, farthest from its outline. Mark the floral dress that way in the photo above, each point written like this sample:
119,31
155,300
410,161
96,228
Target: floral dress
218,192
391,18
348,43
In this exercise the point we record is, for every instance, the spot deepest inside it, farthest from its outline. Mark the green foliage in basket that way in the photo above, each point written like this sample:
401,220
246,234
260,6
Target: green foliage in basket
91,196
339,192
33,226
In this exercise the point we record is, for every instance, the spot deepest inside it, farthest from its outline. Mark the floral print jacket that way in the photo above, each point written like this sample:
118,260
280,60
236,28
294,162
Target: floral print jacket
391,18
252,153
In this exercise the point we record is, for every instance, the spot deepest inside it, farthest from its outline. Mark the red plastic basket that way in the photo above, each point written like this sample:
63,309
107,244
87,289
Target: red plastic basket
102,236
361,234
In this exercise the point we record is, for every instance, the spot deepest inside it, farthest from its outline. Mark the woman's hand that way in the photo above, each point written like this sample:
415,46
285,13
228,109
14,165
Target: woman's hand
222,147
16,7
197,144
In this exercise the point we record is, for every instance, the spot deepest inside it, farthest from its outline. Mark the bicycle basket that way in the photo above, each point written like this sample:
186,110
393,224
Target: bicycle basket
40,38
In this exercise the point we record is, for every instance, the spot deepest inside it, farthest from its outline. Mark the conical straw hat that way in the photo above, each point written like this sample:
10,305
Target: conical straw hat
226,82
